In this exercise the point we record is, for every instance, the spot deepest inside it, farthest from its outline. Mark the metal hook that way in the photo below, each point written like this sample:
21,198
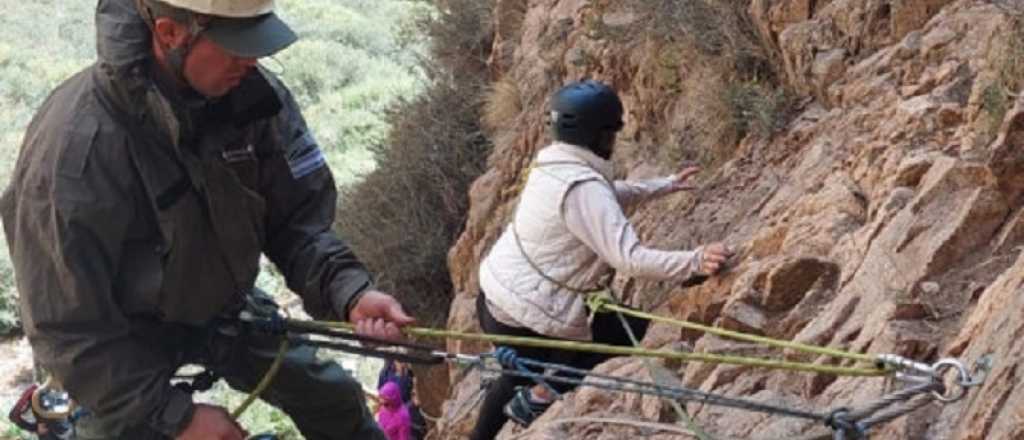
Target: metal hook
963,379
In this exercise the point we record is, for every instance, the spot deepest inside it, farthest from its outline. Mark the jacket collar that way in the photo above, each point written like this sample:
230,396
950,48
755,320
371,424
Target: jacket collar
560,151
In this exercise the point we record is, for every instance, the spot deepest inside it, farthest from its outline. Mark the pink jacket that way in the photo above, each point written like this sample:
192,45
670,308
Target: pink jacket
393,416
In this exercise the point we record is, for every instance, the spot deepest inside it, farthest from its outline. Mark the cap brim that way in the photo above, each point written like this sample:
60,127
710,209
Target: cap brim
254,37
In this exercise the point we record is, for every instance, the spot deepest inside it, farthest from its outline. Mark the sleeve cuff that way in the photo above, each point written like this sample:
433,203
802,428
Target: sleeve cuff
697,262
346,291
175,415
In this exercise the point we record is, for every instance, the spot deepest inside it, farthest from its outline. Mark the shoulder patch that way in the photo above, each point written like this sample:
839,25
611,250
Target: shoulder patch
76,145
304,156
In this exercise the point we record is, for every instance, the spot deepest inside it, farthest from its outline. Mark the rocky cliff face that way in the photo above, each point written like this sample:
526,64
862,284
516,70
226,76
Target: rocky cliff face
881,213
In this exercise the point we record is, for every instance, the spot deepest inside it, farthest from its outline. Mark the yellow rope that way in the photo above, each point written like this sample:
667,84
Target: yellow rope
619,350
264,383
778,343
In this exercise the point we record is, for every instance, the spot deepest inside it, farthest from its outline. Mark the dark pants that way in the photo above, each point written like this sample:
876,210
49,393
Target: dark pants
606,329
321,398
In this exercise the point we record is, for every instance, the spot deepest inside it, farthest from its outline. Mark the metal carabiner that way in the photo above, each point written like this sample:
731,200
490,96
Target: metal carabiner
51,402
964,379
902,364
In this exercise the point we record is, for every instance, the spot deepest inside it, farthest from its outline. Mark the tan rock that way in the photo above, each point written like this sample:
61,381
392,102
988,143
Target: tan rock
863,226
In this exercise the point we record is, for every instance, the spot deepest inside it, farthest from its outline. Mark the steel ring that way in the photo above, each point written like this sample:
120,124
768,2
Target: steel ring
963,378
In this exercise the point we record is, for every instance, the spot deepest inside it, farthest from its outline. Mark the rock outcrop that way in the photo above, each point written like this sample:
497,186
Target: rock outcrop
883,217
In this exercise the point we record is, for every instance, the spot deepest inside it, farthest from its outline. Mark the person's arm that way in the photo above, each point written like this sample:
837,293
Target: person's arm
301,199
630,192
316,263
66,244
385,373
593,215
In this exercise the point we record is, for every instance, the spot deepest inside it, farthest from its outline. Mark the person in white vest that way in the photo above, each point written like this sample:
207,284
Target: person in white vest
567,237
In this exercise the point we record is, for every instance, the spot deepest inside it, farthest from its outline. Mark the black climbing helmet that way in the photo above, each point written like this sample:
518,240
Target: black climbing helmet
587,114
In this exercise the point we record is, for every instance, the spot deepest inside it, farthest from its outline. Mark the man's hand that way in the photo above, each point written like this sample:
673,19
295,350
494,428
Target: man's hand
714,258
681,180
212,423
379,315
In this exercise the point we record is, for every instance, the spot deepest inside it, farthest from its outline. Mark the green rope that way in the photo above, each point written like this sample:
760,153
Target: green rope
264,382
658,373
601,303
624,351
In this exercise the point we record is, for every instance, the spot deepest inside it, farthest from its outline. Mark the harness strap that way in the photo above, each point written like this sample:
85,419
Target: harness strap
522,249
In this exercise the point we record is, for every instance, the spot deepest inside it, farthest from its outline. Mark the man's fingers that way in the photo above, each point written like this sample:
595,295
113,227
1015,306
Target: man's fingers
392,332
687,172
398,316
378,328
716,257
364,327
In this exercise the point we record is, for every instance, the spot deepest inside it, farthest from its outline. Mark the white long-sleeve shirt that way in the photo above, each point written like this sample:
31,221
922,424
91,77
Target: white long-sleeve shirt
595,216
592,212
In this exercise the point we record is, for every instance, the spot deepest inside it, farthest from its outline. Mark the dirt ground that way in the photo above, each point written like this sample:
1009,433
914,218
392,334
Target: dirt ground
15,369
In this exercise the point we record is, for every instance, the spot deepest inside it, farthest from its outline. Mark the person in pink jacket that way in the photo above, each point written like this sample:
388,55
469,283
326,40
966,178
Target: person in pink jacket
393,416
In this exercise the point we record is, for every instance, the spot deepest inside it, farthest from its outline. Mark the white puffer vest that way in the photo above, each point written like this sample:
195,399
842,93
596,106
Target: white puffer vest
514,285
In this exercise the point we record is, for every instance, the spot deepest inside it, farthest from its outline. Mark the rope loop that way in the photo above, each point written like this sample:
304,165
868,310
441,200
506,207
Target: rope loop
839,421
508,358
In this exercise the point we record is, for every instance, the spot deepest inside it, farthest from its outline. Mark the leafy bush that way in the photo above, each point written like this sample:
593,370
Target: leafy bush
732,80
41,43
350,65
403,217
758,108
1008,58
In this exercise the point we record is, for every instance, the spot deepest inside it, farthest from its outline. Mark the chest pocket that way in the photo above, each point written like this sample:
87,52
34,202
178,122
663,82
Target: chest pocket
207,234
238,215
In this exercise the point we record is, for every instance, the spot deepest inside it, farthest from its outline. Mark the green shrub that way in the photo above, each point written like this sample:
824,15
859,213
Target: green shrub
41,43
402,217
1008,58
758,108
349,66
749,96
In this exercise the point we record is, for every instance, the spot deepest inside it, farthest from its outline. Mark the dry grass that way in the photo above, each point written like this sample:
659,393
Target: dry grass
711,60
717,28
711,66
502,105
461,33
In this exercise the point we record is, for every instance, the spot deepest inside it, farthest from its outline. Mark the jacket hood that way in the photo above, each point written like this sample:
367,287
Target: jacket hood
122,37
390,395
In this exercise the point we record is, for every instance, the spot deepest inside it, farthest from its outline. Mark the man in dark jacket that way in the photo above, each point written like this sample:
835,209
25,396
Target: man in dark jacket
146,190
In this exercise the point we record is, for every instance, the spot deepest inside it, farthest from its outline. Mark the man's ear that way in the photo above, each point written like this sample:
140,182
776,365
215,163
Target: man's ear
169,33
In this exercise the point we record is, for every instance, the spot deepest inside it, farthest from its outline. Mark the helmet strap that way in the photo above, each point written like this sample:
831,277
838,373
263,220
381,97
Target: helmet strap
176,56
604,144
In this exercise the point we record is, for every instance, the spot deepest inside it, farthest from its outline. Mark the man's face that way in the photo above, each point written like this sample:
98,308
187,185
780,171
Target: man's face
212,71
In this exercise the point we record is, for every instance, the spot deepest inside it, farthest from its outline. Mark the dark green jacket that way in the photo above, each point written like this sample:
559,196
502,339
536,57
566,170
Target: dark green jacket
135,216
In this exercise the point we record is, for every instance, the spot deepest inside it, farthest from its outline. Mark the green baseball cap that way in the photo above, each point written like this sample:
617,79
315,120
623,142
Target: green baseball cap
250,37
